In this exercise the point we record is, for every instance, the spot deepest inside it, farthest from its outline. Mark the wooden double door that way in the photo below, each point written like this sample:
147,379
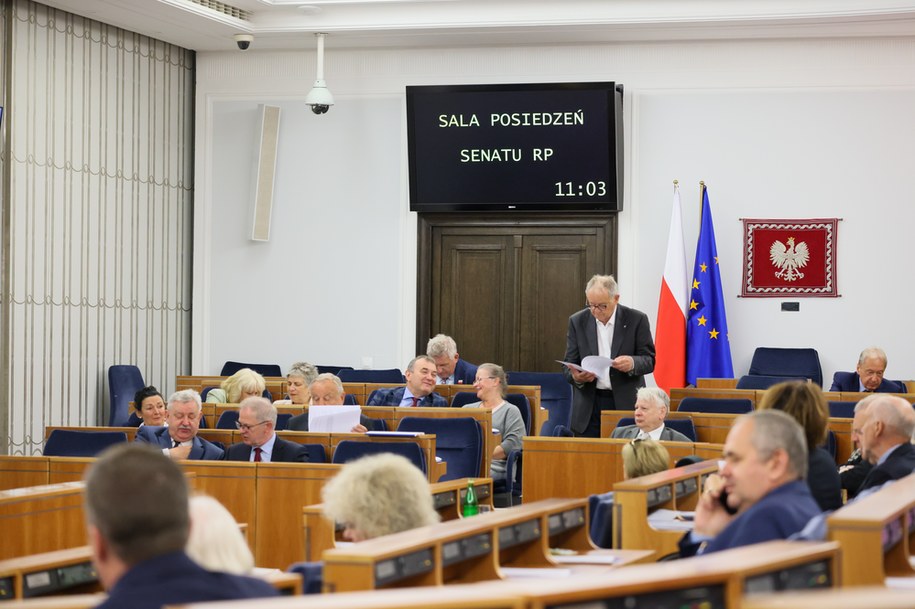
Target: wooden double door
504,286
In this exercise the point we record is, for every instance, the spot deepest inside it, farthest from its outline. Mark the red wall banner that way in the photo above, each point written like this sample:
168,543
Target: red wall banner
789,258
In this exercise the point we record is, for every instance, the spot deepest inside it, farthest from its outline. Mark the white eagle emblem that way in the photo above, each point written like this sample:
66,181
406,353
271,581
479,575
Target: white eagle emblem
789,258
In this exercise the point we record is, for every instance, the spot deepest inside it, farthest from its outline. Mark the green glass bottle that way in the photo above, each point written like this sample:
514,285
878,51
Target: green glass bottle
471,506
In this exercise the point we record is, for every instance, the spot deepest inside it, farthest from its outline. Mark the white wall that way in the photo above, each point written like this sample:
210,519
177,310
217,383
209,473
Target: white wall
777,129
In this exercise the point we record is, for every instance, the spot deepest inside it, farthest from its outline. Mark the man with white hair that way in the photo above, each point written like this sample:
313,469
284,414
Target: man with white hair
450,368
883,428
179,439
651,407
868,376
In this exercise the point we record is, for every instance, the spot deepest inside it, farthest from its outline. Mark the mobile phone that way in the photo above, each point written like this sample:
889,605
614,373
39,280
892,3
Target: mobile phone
723,499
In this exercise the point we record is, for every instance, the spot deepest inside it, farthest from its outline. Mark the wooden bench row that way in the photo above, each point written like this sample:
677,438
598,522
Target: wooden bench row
713,427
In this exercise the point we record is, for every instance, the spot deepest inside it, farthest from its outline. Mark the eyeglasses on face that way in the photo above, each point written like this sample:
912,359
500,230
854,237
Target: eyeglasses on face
480,379
244,427
598,307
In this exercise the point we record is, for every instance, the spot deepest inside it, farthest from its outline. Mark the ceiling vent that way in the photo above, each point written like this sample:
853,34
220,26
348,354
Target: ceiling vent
225,9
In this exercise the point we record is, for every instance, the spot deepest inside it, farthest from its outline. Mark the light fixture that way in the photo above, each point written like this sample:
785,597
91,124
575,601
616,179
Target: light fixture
320,98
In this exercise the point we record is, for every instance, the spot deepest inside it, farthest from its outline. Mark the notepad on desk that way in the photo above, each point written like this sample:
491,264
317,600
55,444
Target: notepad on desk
394,434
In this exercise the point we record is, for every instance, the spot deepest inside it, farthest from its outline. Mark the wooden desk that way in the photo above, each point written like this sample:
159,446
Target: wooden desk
447,497
70,601
18,472
465,550
453,597
578,467
282,490
40,519
50,573
720,579
876,534
857,598
233,484
633,500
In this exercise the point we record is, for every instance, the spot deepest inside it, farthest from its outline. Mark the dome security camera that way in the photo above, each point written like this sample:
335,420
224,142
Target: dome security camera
243,41
319,98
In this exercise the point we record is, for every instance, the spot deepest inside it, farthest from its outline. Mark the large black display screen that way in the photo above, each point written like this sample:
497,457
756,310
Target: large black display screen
533,147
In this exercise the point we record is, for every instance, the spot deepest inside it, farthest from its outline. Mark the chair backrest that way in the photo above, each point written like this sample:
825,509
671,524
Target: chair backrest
391,375
316,453
458,441
312,575
601,526
830,443
350,450
845,410
282,419
684,426
521,402
227,419
230,368
332,369
731,406
555,396
761,381
561,431
123,384
350,400
461,398
76,443
774,361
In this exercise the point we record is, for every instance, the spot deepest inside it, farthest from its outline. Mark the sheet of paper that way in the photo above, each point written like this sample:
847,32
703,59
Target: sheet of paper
587,559
671,520
595,364
333,418
525,572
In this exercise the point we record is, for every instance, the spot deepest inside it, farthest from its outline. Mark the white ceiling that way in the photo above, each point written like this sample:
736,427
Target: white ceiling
288,24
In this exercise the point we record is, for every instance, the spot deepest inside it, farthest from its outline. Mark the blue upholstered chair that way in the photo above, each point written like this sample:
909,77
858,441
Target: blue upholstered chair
601,526
332,369
230,368
791,363
391,375
350,450
845,410
458,441
729,406
461,398
312,576
555,396
78,443
123,384
227,420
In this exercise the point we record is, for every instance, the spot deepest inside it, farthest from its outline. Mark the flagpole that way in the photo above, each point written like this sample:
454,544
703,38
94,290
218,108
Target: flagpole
701,192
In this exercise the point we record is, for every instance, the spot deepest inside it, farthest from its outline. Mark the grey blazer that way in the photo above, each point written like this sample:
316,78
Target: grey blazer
629,432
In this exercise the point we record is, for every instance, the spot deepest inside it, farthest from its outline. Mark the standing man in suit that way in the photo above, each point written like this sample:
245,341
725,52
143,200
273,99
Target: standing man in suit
450,368
179,439
868,376
418,391
138,518
651,407
259,442
762,483
883,428
611,330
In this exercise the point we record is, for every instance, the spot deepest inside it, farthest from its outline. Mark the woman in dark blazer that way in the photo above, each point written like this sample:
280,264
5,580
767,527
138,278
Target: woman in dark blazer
806,403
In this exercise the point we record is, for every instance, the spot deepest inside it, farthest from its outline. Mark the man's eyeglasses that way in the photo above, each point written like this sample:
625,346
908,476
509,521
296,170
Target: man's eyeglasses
599,307
244,427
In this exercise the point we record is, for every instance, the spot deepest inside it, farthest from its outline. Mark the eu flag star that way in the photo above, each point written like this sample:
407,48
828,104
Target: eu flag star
703,267
693,305
714,333
695,284
702,320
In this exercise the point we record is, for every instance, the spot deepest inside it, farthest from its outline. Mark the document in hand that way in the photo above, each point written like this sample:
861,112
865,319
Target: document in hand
338,419
595,364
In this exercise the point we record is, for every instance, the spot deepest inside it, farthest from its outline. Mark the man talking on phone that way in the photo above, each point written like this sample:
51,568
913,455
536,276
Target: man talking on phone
760,493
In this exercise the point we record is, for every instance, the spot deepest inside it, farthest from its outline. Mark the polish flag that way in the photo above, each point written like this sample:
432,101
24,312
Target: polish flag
670,335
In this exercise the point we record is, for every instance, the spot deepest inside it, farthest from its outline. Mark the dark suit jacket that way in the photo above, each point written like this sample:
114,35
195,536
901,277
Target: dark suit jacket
284,451
393,395
300,422
850,381
176,579
627,432
823,480
465,373
158,436
899,464
781,513
631,336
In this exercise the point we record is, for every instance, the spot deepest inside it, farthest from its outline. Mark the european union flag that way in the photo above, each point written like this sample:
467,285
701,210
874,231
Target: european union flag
708,351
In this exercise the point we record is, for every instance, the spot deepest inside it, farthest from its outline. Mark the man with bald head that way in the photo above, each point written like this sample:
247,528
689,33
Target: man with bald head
868,376
883,428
